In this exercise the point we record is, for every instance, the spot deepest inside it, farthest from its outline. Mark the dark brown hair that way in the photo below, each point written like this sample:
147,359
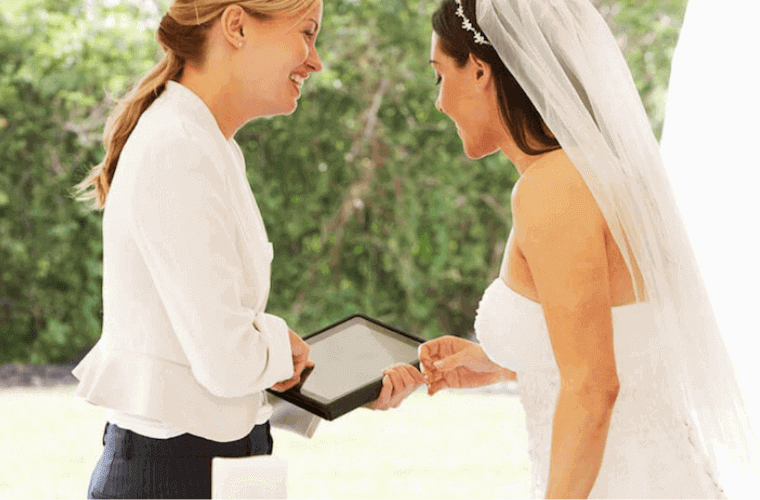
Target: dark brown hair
182,34
520,116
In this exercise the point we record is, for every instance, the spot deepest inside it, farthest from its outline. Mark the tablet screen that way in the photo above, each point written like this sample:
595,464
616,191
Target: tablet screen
352,355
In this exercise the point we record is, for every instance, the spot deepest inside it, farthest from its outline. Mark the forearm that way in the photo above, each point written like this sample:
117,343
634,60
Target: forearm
579,436
507,374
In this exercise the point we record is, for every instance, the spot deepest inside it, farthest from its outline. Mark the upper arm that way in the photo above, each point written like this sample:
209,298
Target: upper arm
180,214
560,231
183,225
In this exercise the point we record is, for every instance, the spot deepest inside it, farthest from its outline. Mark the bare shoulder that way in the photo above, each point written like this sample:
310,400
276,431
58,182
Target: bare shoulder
552,193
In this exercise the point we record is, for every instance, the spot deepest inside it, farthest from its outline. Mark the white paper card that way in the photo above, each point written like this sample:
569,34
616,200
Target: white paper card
261,476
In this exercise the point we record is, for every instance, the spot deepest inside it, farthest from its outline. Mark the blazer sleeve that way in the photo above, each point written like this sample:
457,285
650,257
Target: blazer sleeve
185,231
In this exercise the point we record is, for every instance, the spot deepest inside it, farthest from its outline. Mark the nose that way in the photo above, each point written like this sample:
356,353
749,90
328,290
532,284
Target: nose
314,62
438,104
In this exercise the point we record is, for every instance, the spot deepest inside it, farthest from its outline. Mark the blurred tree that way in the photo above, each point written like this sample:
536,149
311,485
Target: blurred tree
368,198
58,61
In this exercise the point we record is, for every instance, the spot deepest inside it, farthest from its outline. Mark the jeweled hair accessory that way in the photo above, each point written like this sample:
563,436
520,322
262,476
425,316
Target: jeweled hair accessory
466,24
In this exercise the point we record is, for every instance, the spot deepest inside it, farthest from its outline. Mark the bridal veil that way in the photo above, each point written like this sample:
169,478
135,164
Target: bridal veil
568,62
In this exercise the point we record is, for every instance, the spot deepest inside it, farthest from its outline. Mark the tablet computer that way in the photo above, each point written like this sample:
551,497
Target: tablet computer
349,357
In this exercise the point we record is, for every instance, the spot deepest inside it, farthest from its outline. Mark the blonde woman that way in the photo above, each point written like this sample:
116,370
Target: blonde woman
187,348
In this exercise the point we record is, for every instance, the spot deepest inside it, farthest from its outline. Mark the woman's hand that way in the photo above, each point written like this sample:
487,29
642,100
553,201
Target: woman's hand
301,361
400,380
453,362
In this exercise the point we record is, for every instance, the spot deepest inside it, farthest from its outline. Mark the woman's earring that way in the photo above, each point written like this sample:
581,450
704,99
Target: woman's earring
240,45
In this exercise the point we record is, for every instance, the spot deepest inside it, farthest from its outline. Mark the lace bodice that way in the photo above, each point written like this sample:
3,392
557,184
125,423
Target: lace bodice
650,450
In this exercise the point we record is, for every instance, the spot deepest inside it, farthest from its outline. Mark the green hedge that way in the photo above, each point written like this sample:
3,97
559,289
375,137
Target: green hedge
370,203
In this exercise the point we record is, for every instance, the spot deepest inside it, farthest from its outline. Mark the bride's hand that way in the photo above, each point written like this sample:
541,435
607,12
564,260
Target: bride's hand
453,362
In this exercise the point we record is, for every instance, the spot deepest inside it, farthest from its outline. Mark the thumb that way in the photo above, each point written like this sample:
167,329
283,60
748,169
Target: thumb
451,362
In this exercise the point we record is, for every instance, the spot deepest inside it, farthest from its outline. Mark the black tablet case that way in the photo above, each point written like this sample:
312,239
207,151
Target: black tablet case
327,351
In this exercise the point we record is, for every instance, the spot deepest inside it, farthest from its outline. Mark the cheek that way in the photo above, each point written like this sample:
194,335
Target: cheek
451,101
298,52
280,60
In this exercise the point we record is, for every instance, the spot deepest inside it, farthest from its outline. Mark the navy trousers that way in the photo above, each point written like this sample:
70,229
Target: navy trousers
135,466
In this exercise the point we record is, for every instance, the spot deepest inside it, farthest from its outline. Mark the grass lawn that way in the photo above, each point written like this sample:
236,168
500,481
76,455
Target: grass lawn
454,445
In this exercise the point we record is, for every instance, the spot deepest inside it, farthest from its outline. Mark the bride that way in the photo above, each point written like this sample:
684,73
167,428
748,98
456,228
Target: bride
599,311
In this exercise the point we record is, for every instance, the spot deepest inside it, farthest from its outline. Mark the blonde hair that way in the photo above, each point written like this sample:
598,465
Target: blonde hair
182,34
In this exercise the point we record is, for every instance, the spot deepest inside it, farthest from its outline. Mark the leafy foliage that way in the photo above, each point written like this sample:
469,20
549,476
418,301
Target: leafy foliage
367,196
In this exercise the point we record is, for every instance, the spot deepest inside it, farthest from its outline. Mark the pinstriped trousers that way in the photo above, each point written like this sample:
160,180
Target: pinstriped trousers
135,466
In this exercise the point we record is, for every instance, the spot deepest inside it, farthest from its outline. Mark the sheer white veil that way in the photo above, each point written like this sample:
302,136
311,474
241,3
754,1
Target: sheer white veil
564,56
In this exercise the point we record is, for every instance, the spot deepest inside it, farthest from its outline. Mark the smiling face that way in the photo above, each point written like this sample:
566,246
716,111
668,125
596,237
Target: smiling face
276,58
467,96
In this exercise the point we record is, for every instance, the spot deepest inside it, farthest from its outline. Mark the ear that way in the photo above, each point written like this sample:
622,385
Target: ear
481,71
233,24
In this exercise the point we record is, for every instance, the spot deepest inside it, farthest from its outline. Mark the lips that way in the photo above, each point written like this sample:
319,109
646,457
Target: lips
297,80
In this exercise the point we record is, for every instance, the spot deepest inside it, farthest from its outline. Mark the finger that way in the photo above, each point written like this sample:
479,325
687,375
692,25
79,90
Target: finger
426,365
432,375
403,384
437,386
303,362
301,357
429,372
298,368
397,380
303,353
428,353
279,385
416,374
394,366
284,386
411,384
451,362
424,353
430,350
385,395
406,377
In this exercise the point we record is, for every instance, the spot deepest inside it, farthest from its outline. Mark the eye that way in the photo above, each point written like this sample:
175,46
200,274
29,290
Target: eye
438,79
311,32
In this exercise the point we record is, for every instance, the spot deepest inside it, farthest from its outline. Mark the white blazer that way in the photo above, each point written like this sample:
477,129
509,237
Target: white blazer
186,277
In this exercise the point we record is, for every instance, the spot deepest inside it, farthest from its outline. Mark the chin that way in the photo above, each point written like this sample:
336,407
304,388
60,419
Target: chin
478,152
281,110
478,148
285,112
289,107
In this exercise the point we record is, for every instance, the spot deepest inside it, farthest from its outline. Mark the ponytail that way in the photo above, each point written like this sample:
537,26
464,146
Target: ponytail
120,124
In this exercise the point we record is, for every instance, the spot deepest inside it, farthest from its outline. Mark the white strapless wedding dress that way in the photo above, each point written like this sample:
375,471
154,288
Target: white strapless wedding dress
649,452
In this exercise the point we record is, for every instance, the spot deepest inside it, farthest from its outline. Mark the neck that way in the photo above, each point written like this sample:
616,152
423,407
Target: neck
217,97
519,159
